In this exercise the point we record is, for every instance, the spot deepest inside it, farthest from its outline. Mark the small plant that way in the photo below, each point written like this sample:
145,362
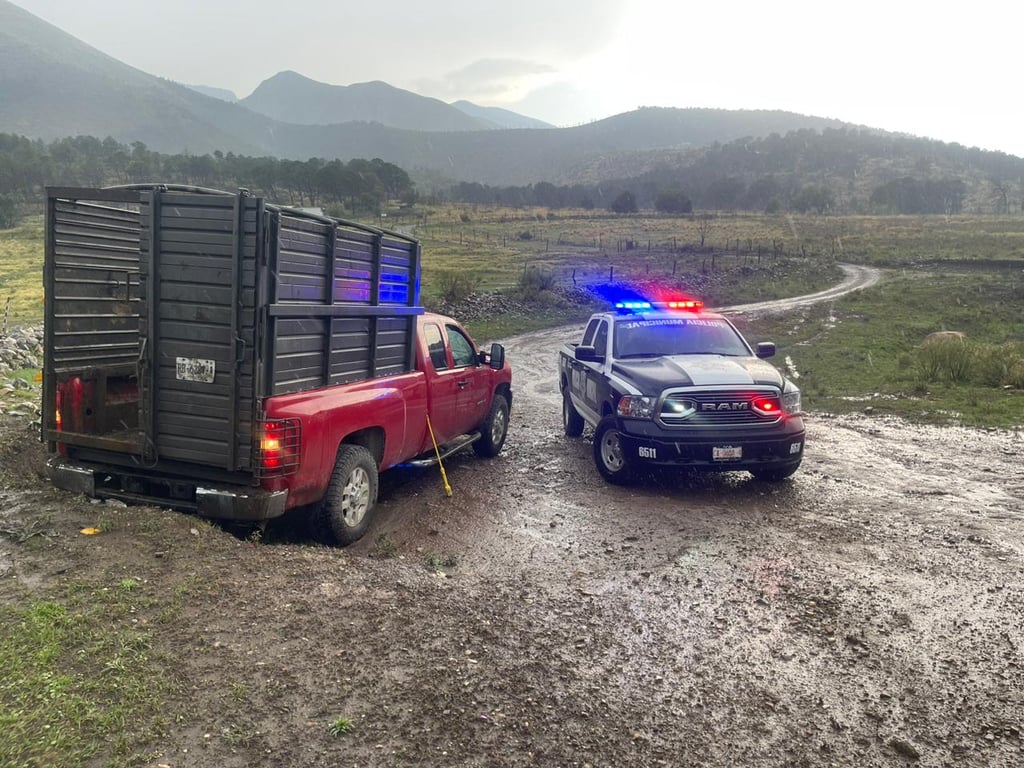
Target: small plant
384,547
128,585
436,562
339,726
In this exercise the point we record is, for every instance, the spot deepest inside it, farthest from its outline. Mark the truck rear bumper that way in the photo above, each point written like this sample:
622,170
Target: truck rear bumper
243,504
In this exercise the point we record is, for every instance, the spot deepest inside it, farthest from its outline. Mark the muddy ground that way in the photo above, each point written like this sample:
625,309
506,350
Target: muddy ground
868,612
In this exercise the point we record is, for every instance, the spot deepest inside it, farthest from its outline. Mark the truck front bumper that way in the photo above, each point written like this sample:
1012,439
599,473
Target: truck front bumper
241,503
742,450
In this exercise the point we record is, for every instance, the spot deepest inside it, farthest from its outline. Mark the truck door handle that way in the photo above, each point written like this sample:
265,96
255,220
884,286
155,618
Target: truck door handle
463,384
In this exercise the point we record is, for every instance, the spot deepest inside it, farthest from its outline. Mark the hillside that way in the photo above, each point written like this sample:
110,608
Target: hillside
495,117
288,97
524,156
54,86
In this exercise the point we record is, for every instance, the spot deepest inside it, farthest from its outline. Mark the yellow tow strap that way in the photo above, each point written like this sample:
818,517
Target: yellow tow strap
444,477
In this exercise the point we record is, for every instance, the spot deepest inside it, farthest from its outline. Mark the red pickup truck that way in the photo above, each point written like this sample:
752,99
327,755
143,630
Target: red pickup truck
210,352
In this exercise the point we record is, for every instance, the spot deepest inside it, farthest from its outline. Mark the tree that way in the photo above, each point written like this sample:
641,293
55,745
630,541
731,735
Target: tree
624,203
704,227
723,194
813,197
672,201
1001,194
8,212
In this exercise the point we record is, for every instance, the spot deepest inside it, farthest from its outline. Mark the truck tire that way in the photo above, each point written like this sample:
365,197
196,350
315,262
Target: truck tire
351,496
494,430
608,455
775,473
571,419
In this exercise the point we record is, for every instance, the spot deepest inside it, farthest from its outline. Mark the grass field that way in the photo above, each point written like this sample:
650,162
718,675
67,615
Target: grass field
21,272
962,273
864,351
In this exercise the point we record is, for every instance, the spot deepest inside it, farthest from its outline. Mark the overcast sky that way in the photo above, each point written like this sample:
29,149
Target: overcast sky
937,69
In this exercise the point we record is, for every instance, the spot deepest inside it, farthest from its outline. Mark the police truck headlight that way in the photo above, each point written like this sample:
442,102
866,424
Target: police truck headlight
791,402
635,407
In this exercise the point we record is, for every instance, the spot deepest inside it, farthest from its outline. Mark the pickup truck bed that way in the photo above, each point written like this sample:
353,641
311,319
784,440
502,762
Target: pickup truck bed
212,352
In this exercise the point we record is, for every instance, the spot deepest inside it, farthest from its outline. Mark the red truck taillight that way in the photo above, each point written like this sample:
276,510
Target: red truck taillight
278,445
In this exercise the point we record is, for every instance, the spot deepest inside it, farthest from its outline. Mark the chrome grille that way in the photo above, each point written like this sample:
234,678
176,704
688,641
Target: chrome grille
694,409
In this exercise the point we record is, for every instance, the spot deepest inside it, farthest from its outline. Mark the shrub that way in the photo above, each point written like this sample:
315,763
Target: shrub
990,366
535,280
948,359
456,286
1015,373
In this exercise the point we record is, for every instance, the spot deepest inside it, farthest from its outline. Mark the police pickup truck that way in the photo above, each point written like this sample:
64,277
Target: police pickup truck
669,384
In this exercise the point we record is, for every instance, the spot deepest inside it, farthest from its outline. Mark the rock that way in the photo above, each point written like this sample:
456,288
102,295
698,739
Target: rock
905,748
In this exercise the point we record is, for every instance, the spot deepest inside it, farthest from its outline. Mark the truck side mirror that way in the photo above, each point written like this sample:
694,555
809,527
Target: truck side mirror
588,355
497,357
765,349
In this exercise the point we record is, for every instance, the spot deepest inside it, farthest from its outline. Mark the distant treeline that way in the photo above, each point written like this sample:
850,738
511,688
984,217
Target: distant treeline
832,171
27,167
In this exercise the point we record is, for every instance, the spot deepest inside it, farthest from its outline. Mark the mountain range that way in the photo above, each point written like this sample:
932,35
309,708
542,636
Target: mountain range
53,85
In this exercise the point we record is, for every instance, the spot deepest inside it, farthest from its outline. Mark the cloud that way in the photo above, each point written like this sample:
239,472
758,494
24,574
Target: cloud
561,103
488,80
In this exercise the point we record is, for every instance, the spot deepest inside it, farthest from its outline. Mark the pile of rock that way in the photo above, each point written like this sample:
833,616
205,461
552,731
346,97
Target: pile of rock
20,348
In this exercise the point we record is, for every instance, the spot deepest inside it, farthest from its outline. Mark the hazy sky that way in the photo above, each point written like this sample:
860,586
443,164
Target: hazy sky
937,69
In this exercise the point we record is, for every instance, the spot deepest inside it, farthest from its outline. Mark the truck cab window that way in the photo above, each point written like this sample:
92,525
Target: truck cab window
435,346
601,338
588,334
463,352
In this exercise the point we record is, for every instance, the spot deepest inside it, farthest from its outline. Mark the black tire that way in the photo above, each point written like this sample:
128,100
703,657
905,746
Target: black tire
775,473
347,507
609,458
494,430
571,419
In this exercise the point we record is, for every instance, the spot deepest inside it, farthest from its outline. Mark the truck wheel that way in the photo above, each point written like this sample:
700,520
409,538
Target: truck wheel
608,455
776,473
494,429
571,419
351,495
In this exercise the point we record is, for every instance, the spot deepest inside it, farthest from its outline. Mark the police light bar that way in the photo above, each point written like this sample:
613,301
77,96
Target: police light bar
684,304
633,305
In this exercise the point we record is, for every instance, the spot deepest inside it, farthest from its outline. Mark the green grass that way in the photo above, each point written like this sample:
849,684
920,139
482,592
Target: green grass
21,272
80,685
339,726
864,350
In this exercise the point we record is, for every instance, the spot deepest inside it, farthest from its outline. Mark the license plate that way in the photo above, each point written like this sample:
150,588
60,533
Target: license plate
194,369
727,452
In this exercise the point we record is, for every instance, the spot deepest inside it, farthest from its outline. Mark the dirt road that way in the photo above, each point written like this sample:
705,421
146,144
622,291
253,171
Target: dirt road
868,612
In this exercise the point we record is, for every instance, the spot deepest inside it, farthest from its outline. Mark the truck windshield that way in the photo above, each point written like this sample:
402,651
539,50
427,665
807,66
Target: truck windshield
654,337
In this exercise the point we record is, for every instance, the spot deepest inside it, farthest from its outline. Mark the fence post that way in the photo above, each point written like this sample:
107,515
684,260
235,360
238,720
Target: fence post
7,313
